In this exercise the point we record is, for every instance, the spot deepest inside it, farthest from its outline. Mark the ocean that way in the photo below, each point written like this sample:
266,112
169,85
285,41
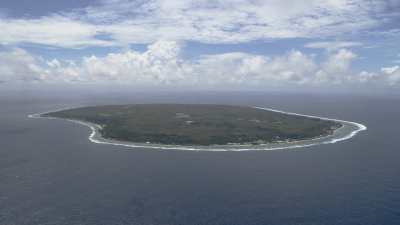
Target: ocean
50,173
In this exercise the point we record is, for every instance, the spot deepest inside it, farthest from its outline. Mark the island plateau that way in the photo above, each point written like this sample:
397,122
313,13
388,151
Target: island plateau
198,124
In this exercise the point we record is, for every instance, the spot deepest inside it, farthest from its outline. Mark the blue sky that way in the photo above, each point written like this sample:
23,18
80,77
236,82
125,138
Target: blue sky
239,43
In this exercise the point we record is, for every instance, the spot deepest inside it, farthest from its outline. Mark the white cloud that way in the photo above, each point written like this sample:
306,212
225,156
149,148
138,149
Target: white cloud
162,64
336,69
159,64
54,30
388,75
390,70
392,74
233,21
366,77
218,21
340,61
331,46
19,65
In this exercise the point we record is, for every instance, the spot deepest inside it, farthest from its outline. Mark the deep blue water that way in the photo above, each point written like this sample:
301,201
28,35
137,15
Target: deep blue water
51,174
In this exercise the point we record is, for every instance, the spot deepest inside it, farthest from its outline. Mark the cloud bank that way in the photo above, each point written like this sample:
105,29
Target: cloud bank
162,64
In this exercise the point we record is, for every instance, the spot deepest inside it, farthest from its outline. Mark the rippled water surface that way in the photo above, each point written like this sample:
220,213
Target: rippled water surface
51,174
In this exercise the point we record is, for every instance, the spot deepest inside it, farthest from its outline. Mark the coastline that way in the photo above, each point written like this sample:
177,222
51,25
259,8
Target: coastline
361,127
95,136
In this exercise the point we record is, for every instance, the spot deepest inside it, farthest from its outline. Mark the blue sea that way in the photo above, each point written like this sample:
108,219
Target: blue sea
51,174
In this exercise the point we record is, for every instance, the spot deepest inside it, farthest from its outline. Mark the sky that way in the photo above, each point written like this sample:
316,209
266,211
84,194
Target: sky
207,44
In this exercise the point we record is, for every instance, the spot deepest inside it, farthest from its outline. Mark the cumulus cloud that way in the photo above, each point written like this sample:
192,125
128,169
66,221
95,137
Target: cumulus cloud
162,64
218,21
17,64
392,74
340,61
241,68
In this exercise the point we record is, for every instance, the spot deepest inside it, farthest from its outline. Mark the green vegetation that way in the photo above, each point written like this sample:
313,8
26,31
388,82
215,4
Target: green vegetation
181,124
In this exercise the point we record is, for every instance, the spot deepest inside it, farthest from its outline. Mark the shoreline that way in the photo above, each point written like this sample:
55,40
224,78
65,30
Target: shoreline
95,136
361,127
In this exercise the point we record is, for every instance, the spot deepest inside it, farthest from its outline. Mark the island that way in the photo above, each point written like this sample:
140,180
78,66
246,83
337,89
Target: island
198,124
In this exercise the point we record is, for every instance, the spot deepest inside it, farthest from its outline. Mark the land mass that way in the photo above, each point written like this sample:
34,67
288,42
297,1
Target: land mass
198,124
